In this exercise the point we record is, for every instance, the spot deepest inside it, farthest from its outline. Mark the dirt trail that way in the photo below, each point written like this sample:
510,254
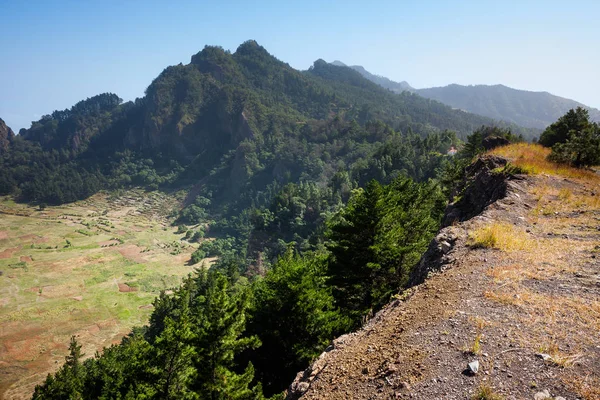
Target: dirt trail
537,295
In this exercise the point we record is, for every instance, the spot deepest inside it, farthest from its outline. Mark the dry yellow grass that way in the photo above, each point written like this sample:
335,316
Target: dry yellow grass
511,272
560,320
502,236
560,358
532,158
588,387
485,392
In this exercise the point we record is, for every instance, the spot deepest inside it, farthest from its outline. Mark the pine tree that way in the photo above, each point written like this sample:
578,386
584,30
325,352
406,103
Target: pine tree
68,382
173,352
295,317
219,318
377,239
351,238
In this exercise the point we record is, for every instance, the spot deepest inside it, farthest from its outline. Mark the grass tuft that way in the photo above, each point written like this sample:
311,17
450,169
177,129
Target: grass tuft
501,236
484,392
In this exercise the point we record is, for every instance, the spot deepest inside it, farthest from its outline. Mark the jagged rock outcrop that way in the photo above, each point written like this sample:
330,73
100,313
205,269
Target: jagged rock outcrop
438,255
6,136
485,182
491,142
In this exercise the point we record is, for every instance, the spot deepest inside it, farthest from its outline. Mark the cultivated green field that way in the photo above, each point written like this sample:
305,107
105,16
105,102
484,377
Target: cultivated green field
90,269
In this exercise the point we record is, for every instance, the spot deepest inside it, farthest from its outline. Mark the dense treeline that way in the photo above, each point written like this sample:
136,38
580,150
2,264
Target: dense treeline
237,332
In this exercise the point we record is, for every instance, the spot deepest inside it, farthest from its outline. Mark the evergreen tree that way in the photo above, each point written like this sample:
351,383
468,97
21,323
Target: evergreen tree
352,236
581,149
376,240
219,318
173,352
295,317
68,382
574,120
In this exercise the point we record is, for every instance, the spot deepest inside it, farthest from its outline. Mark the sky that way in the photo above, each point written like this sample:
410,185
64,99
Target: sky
55,53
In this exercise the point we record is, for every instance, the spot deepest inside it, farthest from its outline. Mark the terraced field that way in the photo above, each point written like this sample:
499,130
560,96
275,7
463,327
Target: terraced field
89,269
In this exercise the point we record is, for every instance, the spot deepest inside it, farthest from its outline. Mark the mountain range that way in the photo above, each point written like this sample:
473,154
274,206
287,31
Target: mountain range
262,155
231,120
520,107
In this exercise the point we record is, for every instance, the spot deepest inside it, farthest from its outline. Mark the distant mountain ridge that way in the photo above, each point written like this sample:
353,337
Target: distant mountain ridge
397,87
520,107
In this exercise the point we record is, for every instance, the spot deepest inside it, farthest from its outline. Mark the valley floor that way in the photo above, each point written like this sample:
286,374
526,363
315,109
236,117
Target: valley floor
90,269
524,303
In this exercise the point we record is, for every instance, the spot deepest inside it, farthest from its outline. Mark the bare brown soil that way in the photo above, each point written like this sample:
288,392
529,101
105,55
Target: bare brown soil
28,237
503,307
132,252
8,253
123,287
25,259
3,235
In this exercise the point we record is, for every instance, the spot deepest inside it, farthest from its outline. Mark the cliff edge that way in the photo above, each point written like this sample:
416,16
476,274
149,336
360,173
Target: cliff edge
506,302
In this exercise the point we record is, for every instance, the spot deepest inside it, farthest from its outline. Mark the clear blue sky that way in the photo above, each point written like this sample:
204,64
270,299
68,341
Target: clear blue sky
55,53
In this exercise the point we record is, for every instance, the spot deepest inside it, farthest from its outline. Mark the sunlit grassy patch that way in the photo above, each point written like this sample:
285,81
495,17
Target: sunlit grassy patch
560,358
551,199
51,289
532,158
500,235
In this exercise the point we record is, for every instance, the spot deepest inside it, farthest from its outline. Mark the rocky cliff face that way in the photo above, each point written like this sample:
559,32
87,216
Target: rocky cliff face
485,183
6,136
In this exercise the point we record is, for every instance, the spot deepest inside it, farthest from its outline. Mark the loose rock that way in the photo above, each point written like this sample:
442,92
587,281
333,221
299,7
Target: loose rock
474,367
544,356
542,395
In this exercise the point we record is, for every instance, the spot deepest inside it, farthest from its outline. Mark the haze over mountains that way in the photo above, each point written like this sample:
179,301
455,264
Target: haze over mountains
521,107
